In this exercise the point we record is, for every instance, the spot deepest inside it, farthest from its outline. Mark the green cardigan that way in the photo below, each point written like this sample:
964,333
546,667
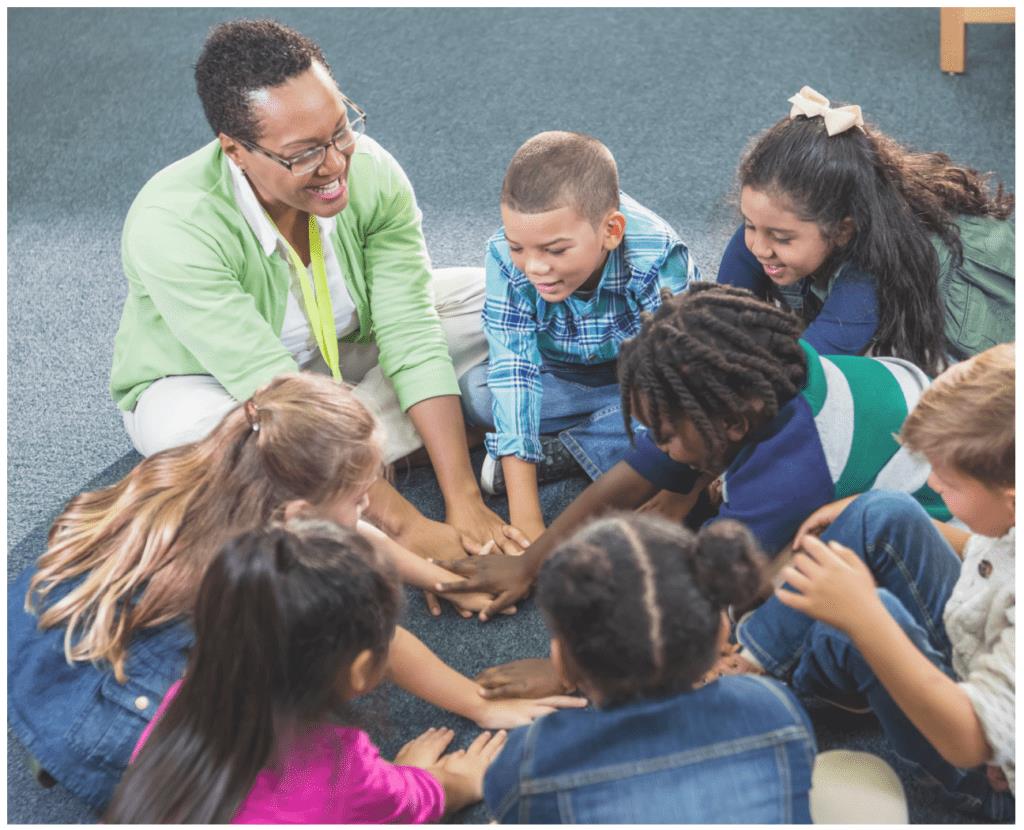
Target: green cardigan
204,298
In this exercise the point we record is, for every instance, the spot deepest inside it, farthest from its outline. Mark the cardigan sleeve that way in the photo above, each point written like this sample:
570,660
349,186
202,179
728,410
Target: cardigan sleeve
413,349
198,295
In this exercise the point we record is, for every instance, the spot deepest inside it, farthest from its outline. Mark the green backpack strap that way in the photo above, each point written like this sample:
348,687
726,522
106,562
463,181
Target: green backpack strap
978,293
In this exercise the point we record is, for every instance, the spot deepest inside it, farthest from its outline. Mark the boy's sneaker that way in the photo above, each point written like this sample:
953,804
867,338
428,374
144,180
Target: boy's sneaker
558,463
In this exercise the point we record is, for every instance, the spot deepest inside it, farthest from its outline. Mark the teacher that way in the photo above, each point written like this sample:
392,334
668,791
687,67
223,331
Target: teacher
293,241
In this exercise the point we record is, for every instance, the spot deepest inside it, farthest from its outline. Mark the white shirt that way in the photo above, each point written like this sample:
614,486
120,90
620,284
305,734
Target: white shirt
980,621
296,335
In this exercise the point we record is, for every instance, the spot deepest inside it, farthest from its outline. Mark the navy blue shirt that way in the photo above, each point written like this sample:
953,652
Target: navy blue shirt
842,318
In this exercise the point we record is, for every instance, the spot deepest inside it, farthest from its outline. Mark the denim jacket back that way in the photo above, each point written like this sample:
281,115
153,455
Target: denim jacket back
76,720
739,750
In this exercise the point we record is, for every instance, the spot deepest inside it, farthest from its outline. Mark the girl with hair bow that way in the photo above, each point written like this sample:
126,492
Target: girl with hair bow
880,248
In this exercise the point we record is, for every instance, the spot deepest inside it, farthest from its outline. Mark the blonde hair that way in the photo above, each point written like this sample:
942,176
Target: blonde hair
965,420
143,545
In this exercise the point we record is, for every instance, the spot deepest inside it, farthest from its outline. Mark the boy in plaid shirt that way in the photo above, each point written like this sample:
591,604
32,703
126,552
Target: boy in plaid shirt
568,275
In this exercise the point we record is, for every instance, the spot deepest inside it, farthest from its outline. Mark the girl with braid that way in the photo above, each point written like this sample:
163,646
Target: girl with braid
634,607
880,248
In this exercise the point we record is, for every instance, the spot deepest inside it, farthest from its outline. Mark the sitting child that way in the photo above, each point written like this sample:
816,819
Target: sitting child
568,275
925,641
878,247
291,624
635,606
728,388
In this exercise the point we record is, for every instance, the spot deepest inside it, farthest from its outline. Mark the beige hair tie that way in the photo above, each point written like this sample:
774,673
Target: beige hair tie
810,103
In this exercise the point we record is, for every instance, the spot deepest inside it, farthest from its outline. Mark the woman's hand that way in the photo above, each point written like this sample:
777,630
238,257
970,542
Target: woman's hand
431,540
425,751
835,585
461,773
507,577
521,678
508,714
478,525
820,519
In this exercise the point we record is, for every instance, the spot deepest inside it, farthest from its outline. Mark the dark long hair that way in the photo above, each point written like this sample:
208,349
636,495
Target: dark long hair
897,198
281,614
637,601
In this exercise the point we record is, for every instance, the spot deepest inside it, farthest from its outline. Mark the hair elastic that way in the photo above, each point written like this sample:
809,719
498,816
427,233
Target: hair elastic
810,103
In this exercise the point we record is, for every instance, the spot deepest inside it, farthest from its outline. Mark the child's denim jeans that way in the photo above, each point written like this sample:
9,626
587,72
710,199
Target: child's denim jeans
581,404
915,569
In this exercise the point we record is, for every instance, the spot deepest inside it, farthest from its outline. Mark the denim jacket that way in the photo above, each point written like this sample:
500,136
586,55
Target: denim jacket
739,750
76,720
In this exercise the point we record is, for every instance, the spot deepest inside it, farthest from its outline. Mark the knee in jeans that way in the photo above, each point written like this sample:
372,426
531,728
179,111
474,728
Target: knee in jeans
476,397
887,506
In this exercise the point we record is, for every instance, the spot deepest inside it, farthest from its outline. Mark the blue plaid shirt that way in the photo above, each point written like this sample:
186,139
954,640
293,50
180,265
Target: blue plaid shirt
523,329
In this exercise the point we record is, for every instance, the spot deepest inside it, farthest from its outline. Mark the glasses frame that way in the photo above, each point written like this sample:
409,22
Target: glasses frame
357,126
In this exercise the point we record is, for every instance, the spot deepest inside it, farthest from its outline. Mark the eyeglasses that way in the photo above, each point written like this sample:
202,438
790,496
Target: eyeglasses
306,162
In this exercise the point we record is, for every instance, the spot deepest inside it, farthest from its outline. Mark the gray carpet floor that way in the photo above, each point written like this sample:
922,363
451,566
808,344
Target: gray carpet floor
100,99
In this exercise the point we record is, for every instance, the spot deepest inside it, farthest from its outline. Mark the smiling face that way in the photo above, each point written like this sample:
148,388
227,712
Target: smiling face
787,247
560,251
986,510
303,112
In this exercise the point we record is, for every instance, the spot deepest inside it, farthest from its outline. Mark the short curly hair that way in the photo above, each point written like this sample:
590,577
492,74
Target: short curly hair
240,57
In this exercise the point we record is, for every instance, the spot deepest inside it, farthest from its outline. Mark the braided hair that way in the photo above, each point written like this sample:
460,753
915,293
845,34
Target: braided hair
636,601
708,355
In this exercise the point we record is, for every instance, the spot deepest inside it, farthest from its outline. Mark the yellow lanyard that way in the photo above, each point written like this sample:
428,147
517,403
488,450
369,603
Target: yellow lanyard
319,310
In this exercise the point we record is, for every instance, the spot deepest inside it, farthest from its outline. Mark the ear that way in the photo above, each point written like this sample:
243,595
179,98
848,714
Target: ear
362,673
613,229
1010,502
845,232
294,508
736,428
232,149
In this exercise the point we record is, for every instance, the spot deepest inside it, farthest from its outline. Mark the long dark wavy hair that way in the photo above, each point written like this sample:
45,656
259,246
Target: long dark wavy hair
897,198
637,601
281,614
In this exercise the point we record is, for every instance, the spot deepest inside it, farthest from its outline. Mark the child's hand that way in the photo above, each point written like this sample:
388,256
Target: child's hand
466,604
820,519
424,751
508,714
461,773
509,577
672,506
521,678
835,585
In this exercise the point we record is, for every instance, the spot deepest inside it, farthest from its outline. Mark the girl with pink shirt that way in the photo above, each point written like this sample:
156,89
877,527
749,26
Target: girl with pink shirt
291,624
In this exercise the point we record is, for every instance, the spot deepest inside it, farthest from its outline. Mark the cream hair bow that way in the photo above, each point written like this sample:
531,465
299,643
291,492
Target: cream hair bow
810,103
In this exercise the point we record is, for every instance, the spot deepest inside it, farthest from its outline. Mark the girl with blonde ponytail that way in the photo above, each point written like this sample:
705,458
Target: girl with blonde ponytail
100,629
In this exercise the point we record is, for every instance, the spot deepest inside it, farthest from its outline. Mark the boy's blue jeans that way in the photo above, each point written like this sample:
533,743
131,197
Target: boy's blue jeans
915,569
581,404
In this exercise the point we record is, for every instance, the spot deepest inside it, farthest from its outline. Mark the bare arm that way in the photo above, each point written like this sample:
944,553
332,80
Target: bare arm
956,536
934,703
439,422
420,672
523,498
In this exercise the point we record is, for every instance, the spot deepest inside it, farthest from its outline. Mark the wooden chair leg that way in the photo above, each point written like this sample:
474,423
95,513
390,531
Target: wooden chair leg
952,40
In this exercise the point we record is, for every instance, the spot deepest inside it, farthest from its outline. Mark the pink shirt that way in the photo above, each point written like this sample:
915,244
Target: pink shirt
337,776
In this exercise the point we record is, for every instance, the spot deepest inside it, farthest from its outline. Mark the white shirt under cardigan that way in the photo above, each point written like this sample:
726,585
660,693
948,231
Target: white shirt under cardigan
296,334
979,620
